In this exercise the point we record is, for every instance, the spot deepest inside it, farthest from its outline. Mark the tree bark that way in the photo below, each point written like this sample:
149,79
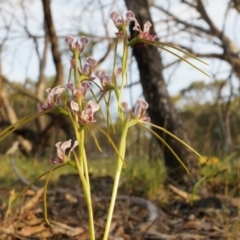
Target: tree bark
161,110
48,22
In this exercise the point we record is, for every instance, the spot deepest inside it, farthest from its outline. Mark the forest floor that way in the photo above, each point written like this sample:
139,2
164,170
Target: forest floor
176,217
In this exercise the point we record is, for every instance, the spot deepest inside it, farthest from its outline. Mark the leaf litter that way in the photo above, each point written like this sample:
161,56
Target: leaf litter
135,217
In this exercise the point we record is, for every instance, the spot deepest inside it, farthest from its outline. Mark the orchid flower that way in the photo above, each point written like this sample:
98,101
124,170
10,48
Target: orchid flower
145,33
139,111
61,149
87,113
53,94
80,91
119,22
74,106
87,69
118,19
78,45
104,79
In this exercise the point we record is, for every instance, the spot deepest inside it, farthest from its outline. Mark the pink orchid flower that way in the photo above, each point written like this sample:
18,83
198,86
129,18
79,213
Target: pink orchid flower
80,91
104,79
120,22
140,110
145,33
87,68
100,73
74,106
61,149
87,113
77,45
53,94
118,19
91,61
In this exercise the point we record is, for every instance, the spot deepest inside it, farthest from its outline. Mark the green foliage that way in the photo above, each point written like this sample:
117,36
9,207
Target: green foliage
139,177
221,176
210,119
144,178
29,168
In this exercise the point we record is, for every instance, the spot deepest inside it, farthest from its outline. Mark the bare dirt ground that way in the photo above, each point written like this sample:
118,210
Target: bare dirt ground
135,217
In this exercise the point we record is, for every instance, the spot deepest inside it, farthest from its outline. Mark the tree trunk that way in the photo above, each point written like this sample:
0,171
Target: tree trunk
48,22
161,110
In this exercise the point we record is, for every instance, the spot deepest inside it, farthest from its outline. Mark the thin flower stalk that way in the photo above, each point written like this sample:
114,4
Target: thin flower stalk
124,75
84,176
122,150
82,168
122,25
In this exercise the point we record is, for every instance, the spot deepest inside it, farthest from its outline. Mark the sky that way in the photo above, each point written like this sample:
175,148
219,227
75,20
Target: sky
19,60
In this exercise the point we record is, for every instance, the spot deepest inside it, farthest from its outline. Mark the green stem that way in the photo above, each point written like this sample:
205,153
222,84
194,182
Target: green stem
122,148
84,176
124,67
84,160
76,80
133,41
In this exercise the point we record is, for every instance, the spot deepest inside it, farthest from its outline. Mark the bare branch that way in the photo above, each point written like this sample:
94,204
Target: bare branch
186,24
